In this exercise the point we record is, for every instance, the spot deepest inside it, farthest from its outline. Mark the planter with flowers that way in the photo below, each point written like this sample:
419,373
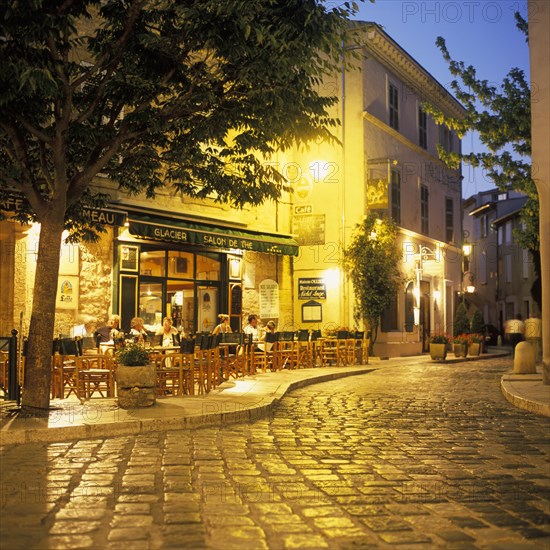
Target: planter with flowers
476,341
460,345
438,346
136,377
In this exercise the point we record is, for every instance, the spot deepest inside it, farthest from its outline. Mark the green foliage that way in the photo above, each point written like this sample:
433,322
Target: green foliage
440,339
372,262
132,355
502,118
189,95
461,324
477,325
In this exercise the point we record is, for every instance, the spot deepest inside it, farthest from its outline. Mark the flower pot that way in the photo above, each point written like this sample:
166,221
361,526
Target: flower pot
460,350
474,349
438,351
136,386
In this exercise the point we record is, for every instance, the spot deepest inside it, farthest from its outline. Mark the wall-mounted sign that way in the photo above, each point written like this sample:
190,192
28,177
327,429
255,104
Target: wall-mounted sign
303,187
312,312
269,299
309,228
67,292
304,209
17,202
312,288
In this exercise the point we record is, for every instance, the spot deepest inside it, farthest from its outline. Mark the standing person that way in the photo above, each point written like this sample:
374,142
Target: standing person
137,330
223,327
169,335
514,330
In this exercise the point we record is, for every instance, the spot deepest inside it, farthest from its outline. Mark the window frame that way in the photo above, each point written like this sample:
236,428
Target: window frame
393,106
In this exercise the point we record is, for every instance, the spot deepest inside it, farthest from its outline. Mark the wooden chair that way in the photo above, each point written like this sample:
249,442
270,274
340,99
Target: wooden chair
173,374
304,356
287,356
328,351
95,374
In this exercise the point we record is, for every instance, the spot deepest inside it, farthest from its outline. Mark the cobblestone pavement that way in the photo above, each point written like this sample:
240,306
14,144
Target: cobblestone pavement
419,456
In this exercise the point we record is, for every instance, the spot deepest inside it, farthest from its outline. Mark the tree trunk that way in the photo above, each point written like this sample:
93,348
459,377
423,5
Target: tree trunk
37,381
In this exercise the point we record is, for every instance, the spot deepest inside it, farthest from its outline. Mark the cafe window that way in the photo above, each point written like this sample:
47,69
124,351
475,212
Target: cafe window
152,263
181,265
208,267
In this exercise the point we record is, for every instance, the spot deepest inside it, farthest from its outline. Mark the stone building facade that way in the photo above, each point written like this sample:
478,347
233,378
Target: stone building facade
194,259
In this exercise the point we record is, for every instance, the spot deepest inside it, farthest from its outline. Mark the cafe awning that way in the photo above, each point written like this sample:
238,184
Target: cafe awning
187,232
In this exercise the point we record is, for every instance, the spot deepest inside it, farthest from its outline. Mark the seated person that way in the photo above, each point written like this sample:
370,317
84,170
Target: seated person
257,333
223,327
137,330
110,332
86,329
168,335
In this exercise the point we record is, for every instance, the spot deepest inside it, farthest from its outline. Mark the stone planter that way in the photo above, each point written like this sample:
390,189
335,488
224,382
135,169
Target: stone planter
460,350
136,386
438,351
474,349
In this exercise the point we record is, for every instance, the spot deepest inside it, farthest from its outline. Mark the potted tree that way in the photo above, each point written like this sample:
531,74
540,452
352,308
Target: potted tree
438,346
136,377
477,328
461,329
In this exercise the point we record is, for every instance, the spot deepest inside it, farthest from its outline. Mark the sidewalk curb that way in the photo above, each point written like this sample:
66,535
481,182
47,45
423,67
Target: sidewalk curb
512,394
223,413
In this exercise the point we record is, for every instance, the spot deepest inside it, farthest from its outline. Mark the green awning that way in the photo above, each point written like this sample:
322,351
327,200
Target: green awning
185,232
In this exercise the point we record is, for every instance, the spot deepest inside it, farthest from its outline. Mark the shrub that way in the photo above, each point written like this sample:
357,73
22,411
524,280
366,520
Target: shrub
461,322
132,355
440,339
478,324
461,339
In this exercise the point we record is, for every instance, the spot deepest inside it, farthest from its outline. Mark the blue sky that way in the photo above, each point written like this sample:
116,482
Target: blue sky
481,33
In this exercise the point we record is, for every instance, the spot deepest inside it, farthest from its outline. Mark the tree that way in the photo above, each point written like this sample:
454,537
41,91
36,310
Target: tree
477,325
461,323
192,94
372,261
502,118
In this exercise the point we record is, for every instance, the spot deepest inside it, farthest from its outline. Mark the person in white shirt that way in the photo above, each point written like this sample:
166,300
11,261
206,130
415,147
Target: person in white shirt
169,336
254,328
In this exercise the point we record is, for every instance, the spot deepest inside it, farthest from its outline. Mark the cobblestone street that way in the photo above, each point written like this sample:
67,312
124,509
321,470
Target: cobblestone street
423,456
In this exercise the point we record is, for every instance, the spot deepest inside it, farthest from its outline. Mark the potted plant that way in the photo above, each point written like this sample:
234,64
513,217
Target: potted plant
476,341
438,346
136,377
477,327
460,345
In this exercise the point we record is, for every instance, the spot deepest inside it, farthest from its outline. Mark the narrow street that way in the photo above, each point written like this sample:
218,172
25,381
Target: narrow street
423,456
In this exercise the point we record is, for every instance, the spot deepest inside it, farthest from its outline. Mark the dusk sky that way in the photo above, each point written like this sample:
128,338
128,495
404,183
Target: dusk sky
480,33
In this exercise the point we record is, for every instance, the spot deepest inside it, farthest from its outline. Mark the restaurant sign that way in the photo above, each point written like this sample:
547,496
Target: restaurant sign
227,238
312,287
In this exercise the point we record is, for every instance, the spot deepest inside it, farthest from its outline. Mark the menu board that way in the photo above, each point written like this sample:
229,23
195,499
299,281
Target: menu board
309,229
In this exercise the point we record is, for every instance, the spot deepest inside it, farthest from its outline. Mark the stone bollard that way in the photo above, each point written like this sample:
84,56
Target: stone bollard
524,359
